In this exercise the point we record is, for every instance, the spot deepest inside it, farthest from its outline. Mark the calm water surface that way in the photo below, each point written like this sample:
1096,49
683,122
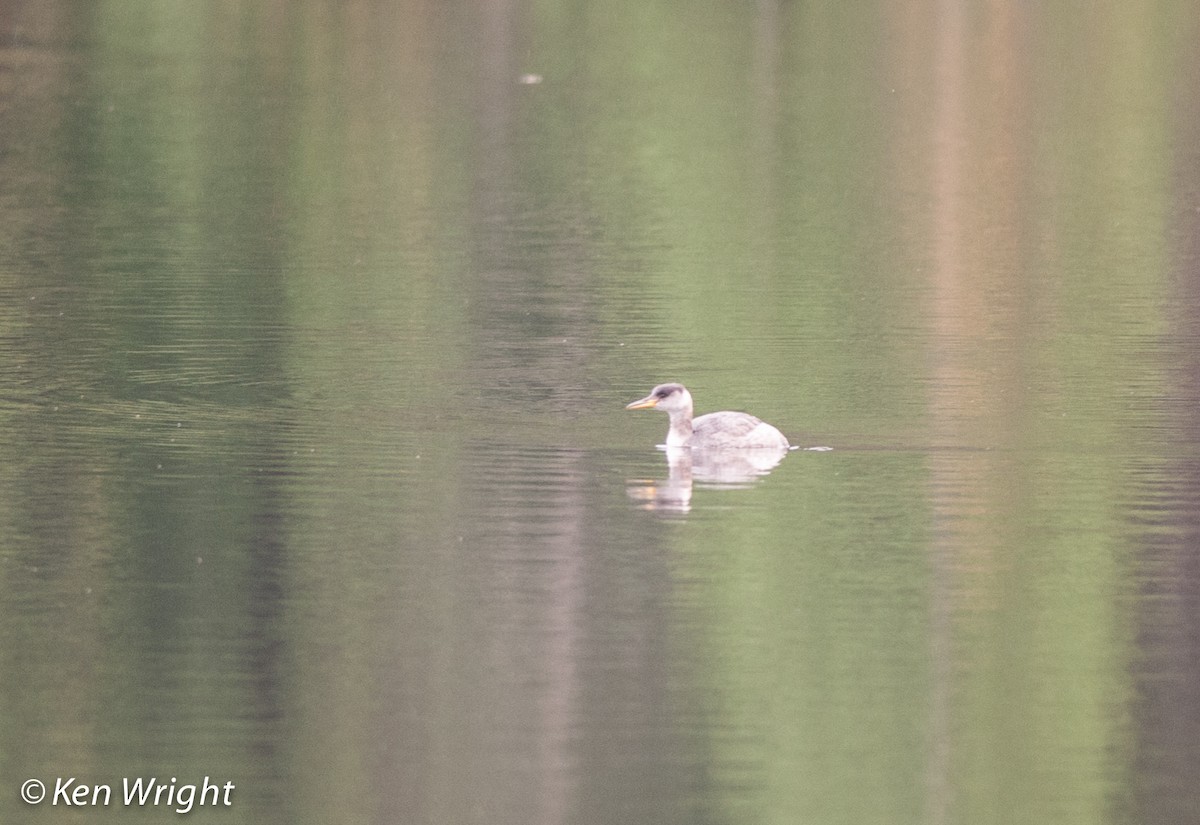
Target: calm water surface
316,326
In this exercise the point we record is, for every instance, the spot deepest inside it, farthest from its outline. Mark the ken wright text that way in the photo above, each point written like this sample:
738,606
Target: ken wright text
142,792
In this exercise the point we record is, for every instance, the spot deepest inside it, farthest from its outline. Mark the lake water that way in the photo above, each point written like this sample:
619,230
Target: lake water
317,322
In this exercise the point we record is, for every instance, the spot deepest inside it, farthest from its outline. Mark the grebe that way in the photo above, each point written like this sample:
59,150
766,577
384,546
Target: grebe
715,431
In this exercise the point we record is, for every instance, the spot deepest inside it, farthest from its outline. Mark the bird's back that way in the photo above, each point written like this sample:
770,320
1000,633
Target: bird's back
734,430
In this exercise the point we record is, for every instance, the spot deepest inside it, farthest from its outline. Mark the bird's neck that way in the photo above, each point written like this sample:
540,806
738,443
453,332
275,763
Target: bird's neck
681,428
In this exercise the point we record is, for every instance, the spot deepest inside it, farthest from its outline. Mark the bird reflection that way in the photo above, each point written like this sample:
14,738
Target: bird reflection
713,469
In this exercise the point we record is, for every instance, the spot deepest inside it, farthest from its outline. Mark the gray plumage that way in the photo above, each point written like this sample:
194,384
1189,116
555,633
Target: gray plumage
714,431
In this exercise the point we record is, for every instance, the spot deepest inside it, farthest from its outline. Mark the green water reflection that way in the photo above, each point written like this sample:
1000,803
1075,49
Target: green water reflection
317,321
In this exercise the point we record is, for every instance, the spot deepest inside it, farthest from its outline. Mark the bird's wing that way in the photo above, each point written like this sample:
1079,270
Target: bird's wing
731,424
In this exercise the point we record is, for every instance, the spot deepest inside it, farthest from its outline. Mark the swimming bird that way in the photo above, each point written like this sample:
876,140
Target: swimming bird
715,431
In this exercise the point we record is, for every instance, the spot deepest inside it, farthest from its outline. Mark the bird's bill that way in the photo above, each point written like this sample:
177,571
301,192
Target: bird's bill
647,403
